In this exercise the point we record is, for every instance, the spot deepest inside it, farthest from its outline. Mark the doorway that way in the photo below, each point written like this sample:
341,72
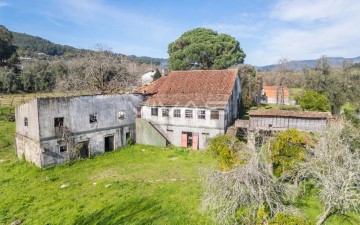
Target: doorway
109,143
83,149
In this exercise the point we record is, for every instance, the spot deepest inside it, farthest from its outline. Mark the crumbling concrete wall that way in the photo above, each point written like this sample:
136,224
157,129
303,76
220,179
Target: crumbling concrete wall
115,116
147,134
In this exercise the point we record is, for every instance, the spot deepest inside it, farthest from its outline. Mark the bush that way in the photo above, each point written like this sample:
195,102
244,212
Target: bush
288,219
313,101
287,148
225,149
7,113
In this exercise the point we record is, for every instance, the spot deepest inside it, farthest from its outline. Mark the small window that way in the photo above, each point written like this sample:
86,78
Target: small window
26,122
154,111
188,113
177,113
214,115
59,122
121,115
201,114
206,136
63,148
165,112
93,118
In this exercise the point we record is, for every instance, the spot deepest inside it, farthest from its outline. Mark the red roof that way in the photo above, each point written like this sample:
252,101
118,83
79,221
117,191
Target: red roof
192,88
284,113
271,91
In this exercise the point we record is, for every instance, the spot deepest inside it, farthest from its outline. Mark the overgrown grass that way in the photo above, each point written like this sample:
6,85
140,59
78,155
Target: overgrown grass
133,185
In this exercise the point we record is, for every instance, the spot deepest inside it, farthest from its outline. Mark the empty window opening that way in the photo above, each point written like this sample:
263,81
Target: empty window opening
201,114
59,122
26,122
177,113
93,118
214,115
121,115
109,143
83,149
154,111
62,148
165,112
188,113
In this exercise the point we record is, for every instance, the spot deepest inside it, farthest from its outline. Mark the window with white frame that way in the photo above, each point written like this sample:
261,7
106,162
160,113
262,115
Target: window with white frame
165,112
177,113
26,122
188,113
201,114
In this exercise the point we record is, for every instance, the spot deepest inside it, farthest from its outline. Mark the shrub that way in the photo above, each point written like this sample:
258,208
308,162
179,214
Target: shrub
225,149
288,219
287,148
313,101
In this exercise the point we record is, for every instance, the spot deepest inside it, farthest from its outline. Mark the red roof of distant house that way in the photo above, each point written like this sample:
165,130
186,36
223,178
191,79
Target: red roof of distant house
284,113
192,88
271,91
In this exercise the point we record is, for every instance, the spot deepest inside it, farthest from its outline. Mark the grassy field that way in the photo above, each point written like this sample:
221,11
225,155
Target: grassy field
134,185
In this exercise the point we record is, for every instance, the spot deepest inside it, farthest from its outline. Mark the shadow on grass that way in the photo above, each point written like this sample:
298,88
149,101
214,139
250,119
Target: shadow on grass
139,211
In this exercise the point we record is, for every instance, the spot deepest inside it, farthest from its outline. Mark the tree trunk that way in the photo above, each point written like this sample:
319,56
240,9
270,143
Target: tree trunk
324,216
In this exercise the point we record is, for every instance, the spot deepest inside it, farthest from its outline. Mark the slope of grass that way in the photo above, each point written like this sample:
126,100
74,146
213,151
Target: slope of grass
133,185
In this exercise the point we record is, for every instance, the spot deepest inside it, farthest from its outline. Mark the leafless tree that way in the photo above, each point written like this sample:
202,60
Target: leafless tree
335,166
96,73
250,185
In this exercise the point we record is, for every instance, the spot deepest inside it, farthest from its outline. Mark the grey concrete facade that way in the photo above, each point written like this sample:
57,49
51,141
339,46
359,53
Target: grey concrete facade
49,131
173,127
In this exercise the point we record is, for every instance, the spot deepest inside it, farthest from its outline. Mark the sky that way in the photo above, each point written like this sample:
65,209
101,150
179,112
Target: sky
268,30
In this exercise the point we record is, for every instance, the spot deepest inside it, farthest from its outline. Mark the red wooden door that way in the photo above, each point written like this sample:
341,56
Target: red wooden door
195,141
184,140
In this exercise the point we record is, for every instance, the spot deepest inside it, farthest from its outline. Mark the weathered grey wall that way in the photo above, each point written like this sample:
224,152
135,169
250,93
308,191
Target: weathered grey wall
28,148
147,134
233,107
172,127
30,111
76,112
305,124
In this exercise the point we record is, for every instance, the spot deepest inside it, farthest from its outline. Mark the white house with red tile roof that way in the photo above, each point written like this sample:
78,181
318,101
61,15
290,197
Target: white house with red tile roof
273,95
189,107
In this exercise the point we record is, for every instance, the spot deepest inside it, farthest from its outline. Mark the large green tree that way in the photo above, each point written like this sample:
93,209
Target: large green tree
339,85
205,49
8,55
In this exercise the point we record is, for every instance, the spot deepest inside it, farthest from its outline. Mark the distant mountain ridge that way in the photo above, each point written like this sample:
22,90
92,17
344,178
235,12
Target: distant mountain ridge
300,64
29,45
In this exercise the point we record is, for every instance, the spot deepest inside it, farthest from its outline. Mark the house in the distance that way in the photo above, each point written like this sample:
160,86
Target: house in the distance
186,108
275,95
51,131
147,77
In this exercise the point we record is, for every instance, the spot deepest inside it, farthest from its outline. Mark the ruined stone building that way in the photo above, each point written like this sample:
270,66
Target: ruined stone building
186,108
50,131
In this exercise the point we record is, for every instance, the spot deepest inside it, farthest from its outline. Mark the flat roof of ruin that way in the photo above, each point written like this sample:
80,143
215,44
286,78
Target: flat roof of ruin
284,113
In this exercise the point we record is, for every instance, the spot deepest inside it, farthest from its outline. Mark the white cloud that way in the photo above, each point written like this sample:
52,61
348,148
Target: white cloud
311,10
308,29
3,4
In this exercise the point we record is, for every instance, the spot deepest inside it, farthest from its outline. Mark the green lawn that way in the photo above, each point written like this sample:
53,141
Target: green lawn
134,185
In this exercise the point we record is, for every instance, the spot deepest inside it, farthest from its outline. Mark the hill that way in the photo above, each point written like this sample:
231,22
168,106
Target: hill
29,45
300,64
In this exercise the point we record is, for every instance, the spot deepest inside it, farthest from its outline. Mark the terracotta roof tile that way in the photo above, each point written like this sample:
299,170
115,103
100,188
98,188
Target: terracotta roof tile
271,91
284,113
193,88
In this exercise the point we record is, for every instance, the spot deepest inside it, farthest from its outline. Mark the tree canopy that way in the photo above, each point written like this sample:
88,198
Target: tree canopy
313,101
205,49
8,56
